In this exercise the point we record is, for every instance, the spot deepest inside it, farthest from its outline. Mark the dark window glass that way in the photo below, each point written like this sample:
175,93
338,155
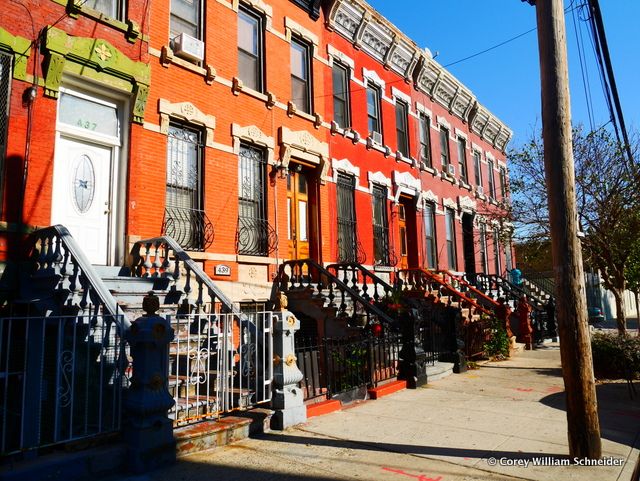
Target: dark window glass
253,225
347,239
430,235
478,167
425,140
503,183
492,182
444,146
483,249
462,158
110,8
496,251
373,110
450,218
250,57
300,76
402,133
341,95
380,226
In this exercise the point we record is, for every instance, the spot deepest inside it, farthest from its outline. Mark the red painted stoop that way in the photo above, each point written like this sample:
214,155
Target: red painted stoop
324,407
385,390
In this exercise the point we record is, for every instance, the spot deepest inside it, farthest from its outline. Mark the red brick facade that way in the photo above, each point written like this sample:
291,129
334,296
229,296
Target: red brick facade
210,97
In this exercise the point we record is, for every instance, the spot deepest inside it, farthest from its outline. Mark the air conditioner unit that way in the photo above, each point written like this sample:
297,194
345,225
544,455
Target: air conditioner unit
480,190
451,170
376,137
188,47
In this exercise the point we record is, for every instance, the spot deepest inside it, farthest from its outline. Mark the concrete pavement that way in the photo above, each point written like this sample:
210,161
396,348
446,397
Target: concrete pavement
494,423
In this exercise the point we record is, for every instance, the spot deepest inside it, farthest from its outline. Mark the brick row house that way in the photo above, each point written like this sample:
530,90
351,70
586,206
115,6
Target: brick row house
236,138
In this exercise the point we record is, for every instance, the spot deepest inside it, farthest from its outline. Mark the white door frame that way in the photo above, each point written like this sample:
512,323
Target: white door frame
119,147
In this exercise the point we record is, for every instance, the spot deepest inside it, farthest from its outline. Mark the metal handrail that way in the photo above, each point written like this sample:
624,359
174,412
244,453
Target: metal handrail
283,283
65,248
357,268
470,287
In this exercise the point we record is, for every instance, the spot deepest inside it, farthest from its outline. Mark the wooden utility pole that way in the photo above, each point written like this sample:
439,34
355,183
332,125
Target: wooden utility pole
571,309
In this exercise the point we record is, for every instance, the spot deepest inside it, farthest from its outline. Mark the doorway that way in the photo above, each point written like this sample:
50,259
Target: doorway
298,219
468,244
407,233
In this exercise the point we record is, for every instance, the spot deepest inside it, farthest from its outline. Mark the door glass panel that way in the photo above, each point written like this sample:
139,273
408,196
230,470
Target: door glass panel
403,241
302,220
289,217
83,184
88,115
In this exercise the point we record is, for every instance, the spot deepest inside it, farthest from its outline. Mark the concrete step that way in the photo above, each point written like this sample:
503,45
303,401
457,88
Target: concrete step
112,271
439,370
211,434
135,284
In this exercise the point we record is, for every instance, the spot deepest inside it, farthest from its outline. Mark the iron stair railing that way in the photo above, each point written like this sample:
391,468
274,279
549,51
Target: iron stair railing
466,287
361,279
505,288
308,274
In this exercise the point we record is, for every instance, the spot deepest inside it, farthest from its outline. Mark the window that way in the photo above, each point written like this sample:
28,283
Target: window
484,265
341,114
496,251
425,140
6,62
402,133
347,240
429,214
301,76
450,218
253,226
110,8
184,218
477,167
444,146
250,50
380,226
462,159
492,182
503,183
185,18
373,111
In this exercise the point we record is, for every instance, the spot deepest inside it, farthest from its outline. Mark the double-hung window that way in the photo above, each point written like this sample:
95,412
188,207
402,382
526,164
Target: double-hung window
380,226
6,62
110,8
492,181
450,221
186,17
477,167
402,132
341,114
425,140
374,123
250,49
429,214
253,226
184,218
301,75
496,251
462,159
483,249
444,147
503,183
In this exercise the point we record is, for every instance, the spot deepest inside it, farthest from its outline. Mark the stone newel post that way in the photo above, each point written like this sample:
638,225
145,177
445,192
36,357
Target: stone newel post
147,429
287,396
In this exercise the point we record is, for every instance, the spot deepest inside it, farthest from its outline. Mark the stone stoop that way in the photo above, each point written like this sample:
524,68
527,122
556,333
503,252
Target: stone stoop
210,434
438,371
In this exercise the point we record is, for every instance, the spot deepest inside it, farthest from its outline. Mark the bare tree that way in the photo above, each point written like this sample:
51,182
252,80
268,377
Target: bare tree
608,199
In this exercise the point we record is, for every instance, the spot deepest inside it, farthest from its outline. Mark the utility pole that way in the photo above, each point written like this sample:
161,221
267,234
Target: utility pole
571,309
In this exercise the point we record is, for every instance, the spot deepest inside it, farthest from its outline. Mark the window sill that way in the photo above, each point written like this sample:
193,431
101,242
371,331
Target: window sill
481,196
400,157
383,268
446,177
247,259
431,170
464,185
383,149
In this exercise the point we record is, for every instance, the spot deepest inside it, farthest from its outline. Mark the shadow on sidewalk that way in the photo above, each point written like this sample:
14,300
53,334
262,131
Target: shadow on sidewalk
544,371
619,414
407,448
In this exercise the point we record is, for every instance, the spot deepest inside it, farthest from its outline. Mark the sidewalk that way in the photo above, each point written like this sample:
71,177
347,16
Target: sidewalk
464,427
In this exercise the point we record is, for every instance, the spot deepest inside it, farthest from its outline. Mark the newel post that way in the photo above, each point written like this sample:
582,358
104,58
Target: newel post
287,401
147,429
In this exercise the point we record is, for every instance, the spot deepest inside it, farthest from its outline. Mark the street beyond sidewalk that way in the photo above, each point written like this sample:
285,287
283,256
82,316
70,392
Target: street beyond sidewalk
503,421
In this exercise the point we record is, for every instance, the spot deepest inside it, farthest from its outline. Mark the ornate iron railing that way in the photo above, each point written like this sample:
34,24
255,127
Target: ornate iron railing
498,286
57,256
361,279
545,281
219,363
61,379
255,237
466,287
191,228
308,274
164,257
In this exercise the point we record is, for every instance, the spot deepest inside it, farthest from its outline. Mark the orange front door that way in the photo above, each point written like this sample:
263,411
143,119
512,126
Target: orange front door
402,232
298,215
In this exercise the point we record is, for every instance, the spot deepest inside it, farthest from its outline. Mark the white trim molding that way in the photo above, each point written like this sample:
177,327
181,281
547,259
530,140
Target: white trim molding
335,54
467,204
372,76
399,94
380,179
253,135
344,166
258,5
186,112
301,144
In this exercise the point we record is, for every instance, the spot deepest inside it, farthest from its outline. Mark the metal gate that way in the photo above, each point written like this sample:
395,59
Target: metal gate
219,363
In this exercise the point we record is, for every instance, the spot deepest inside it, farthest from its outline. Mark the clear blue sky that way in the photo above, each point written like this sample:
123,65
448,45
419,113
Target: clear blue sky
507,79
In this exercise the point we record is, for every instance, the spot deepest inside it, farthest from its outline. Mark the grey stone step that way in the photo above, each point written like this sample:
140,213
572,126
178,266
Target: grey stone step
439,370
135,284
112,271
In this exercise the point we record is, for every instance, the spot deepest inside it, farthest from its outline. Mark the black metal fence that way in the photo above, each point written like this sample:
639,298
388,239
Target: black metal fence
335,366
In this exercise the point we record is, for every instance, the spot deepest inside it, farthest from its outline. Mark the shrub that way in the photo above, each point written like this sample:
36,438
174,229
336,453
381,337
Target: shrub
615,356
497,346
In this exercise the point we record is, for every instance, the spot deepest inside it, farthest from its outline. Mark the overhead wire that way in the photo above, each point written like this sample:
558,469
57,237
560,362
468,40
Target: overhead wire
577,27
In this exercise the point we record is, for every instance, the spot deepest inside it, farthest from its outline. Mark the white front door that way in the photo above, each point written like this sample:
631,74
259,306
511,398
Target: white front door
81,194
